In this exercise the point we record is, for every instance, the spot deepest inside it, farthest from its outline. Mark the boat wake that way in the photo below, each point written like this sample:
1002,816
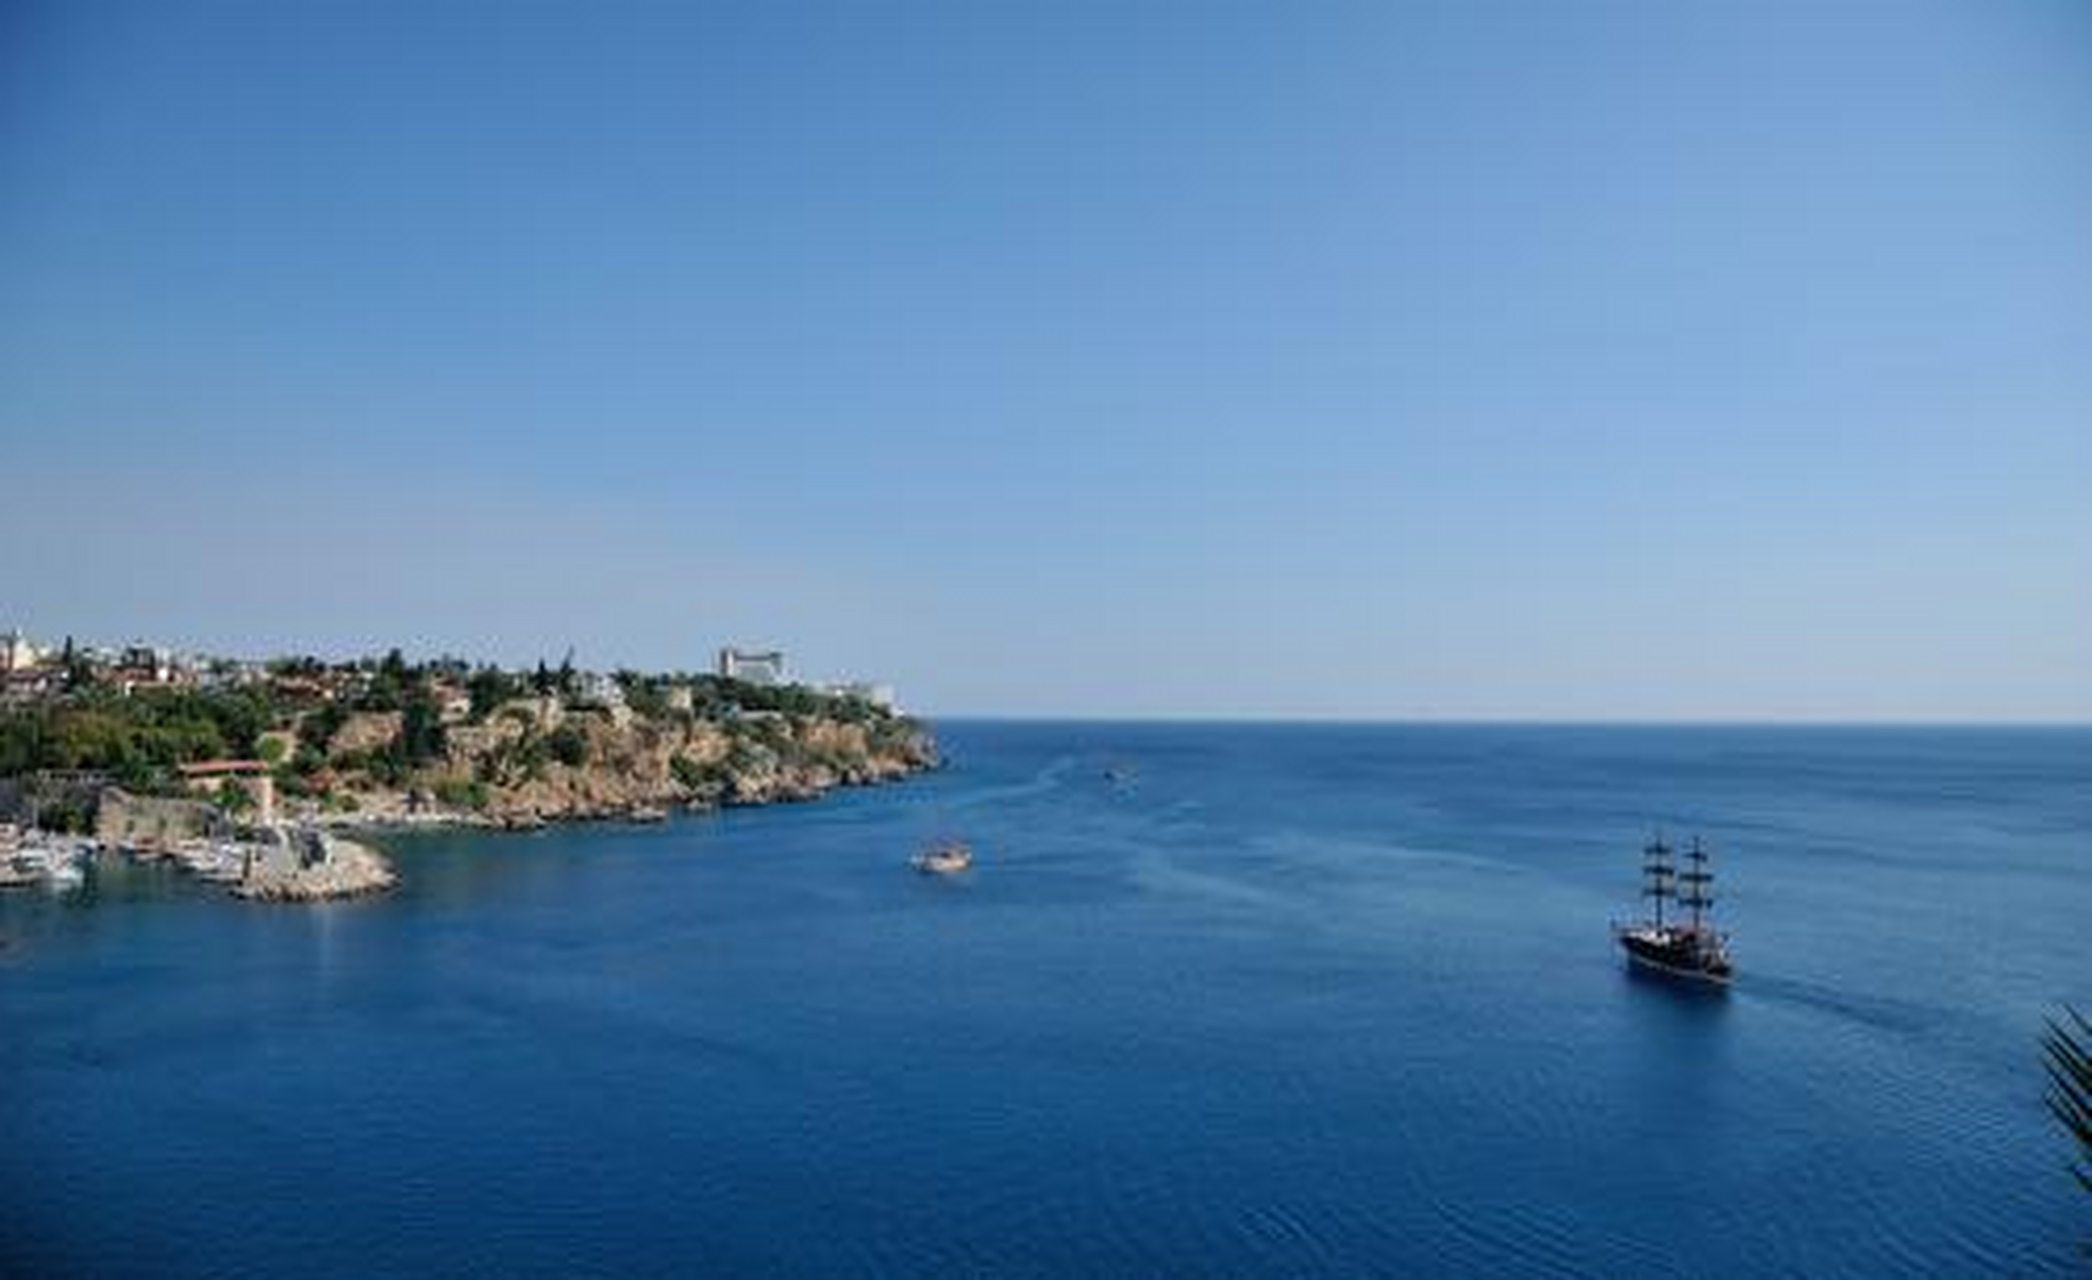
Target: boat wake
1047,780
1882,1013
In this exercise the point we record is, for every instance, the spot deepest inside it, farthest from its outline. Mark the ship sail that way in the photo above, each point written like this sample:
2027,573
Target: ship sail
1657,874
1693,893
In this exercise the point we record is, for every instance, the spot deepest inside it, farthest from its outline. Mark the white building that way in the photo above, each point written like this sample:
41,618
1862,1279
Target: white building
752,666
878,695
597,689
17,654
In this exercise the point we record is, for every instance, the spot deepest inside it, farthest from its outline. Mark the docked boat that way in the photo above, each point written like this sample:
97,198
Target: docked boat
1688,948
64,875
946,858
61,868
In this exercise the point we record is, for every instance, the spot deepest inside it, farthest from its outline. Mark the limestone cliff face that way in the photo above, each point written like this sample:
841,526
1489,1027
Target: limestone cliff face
535,760
365,731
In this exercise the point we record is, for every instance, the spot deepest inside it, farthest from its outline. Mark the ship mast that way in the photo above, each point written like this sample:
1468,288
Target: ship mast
1656,875
1695,879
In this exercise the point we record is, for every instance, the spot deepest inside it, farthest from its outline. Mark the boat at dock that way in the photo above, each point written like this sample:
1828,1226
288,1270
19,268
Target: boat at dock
58,864
1690,948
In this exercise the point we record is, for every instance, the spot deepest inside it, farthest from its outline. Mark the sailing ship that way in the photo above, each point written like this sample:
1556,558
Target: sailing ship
1688,948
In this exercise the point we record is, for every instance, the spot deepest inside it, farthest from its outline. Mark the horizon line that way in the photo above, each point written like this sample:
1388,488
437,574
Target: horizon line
1507,722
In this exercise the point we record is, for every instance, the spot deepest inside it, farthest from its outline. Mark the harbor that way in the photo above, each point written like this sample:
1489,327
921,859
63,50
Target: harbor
281,863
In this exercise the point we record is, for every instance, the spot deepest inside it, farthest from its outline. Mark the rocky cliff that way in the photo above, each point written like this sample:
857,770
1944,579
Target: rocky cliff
534,760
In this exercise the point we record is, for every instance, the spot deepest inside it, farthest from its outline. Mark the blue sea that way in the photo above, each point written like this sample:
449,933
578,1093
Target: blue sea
1277,1001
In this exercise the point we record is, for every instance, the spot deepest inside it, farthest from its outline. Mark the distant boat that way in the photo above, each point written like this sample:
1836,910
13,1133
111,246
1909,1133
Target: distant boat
945,858
1689,948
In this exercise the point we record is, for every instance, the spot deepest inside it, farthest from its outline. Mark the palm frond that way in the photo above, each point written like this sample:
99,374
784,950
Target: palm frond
2067,1059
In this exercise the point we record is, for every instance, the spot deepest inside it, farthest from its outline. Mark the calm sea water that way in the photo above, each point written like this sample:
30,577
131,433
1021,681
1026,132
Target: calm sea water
1289,1000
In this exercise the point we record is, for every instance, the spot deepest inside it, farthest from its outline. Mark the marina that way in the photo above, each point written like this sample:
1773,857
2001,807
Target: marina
277,862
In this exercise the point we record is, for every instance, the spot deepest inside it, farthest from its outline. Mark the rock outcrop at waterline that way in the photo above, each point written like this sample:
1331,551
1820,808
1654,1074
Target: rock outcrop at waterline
349,870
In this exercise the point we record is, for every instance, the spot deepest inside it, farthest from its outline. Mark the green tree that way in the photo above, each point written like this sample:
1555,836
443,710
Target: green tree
319,726
489,687
421,737
646,696
79,673
233,797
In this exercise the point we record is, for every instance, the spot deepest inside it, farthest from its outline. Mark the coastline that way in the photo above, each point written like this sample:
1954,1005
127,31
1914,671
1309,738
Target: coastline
331,856
263,776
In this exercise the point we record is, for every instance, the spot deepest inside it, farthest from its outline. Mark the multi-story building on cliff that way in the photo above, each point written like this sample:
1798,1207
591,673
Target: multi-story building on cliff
752,666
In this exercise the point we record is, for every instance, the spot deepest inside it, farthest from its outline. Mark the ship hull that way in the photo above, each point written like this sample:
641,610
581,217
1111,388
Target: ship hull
1676,956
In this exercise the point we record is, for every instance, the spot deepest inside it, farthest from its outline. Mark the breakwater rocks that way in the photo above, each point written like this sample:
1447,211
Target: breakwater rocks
344,869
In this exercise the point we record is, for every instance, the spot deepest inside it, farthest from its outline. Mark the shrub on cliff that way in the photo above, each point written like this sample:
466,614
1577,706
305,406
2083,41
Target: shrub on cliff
568,746
489,687
317,727
462,793
688,773
645,695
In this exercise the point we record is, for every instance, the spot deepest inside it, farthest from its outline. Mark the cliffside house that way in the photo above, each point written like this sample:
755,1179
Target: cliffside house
594,688
453,702
304,688
145,667
30,683
877,695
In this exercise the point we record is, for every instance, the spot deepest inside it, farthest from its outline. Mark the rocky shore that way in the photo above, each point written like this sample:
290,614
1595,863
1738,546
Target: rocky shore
349,869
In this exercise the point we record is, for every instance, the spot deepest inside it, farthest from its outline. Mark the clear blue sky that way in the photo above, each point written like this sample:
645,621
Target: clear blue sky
1653,360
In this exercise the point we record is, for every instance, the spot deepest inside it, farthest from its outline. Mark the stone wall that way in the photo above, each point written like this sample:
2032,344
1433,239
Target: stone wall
39,798
153,821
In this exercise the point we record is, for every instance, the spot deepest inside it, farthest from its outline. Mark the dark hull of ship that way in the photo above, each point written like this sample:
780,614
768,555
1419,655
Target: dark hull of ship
1677,960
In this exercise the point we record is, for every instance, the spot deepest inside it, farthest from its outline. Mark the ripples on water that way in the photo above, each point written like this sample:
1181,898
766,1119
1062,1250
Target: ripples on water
1286,1000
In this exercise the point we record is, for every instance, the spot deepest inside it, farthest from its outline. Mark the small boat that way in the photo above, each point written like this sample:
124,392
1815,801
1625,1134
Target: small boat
1689,948
62,868
649,813
947,858
58,867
